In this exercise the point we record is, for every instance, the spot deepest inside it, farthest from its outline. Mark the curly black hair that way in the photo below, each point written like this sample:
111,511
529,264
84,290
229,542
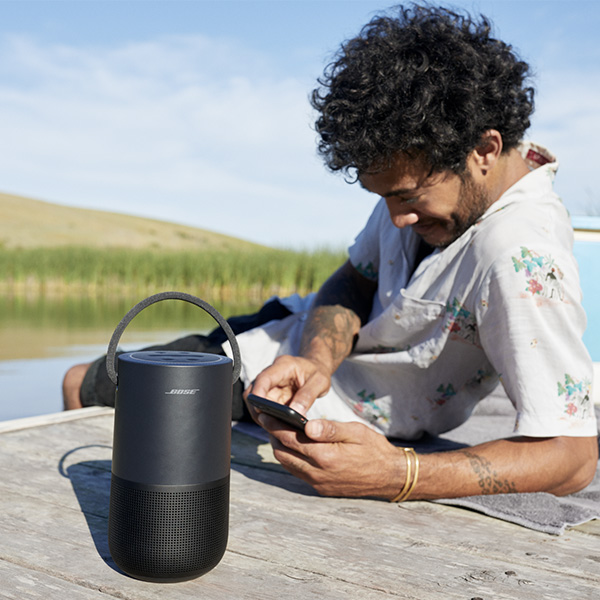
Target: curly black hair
425,81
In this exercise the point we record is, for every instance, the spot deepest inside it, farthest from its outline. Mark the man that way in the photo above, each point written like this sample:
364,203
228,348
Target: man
463,277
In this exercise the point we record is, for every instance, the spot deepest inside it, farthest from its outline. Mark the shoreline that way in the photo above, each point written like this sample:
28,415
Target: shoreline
57,289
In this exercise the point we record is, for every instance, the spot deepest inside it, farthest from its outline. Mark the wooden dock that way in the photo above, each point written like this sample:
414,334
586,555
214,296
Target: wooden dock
284,541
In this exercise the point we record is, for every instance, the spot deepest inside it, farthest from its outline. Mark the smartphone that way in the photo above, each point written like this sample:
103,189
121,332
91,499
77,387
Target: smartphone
279,411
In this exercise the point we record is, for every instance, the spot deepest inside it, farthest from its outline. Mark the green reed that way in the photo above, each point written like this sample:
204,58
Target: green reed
231,274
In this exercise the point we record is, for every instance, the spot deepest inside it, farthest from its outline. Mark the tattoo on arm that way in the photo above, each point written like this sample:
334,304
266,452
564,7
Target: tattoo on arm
489,481
334,326
342,305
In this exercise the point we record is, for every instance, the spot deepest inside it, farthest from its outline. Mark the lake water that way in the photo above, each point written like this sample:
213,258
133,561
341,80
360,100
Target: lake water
41,338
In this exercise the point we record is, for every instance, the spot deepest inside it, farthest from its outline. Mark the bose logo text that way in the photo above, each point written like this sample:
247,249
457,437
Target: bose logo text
188,392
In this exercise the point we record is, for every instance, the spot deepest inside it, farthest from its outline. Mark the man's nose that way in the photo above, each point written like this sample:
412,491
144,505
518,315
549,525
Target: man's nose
401,215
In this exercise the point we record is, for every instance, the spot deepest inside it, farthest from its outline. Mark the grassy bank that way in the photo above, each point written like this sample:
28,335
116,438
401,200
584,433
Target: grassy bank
232,275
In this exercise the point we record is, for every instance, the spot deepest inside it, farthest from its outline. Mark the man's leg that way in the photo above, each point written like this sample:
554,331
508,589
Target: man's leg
72,385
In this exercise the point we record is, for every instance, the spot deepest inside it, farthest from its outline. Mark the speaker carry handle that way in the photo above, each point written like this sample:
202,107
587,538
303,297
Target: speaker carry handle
111,359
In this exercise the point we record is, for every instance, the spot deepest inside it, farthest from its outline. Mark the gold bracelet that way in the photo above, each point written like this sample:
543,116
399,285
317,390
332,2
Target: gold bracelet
416,477
409,486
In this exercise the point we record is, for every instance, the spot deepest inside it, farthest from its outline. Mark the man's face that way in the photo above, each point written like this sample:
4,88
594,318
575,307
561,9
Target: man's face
439,207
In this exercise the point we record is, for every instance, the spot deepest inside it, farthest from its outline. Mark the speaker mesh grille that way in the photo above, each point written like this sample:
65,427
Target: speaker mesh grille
168,535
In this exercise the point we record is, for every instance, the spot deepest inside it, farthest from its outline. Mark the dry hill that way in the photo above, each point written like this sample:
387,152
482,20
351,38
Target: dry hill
27,223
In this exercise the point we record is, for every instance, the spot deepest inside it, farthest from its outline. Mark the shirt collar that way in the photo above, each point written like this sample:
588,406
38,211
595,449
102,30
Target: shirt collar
543,165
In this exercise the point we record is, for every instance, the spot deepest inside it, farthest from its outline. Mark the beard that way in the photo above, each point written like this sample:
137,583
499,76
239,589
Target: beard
473,201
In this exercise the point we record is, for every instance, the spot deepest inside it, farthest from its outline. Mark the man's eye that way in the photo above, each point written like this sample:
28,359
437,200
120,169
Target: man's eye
403,200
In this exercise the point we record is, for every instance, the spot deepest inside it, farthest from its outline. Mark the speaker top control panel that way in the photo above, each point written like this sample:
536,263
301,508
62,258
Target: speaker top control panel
175,358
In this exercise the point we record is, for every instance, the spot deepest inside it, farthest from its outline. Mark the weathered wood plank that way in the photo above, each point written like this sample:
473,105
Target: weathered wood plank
463,531
61,417
22,583
284,539
60,550
591,528
308,548
397,562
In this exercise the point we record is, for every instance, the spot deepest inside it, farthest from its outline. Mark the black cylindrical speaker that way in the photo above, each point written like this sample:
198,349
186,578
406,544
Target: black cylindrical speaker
169,498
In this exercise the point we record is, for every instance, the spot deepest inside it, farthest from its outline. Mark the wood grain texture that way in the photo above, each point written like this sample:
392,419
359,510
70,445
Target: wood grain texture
284,540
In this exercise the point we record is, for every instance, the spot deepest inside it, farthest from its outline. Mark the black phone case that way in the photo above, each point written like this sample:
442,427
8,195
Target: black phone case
279,411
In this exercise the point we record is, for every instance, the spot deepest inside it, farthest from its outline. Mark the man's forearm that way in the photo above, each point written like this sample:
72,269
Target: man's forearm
560,466
342,305
329,335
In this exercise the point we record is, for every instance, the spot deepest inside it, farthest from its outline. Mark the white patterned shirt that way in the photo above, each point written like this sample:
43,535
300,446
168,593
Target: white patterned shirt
501,303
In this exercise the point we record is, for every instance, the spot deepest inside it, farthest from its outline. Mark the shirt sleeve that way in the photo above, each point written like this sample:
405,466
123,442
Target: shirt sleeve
531,324
364,253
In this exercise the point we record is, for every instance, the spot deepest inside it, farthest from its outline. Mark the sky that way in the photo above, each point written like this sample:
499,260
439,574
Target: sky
197,111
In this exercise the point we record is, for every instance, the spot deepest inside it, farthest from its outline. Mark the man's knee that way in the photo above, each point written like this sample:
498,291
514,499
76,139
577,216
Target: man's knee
72,386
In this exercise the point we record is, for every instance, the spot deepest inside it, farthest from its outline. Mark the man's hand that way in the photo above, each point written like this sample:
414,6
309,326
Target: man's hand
339,459
349,459
292,380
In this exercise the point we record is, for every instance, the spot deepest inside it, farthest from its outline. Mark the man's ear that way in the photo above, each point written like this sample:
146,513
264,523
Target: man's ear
486,154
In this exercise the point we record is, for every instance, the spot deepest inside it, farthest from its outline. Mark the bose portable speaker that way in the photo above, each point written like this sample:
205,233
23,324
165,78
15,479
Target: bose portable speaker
169,496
